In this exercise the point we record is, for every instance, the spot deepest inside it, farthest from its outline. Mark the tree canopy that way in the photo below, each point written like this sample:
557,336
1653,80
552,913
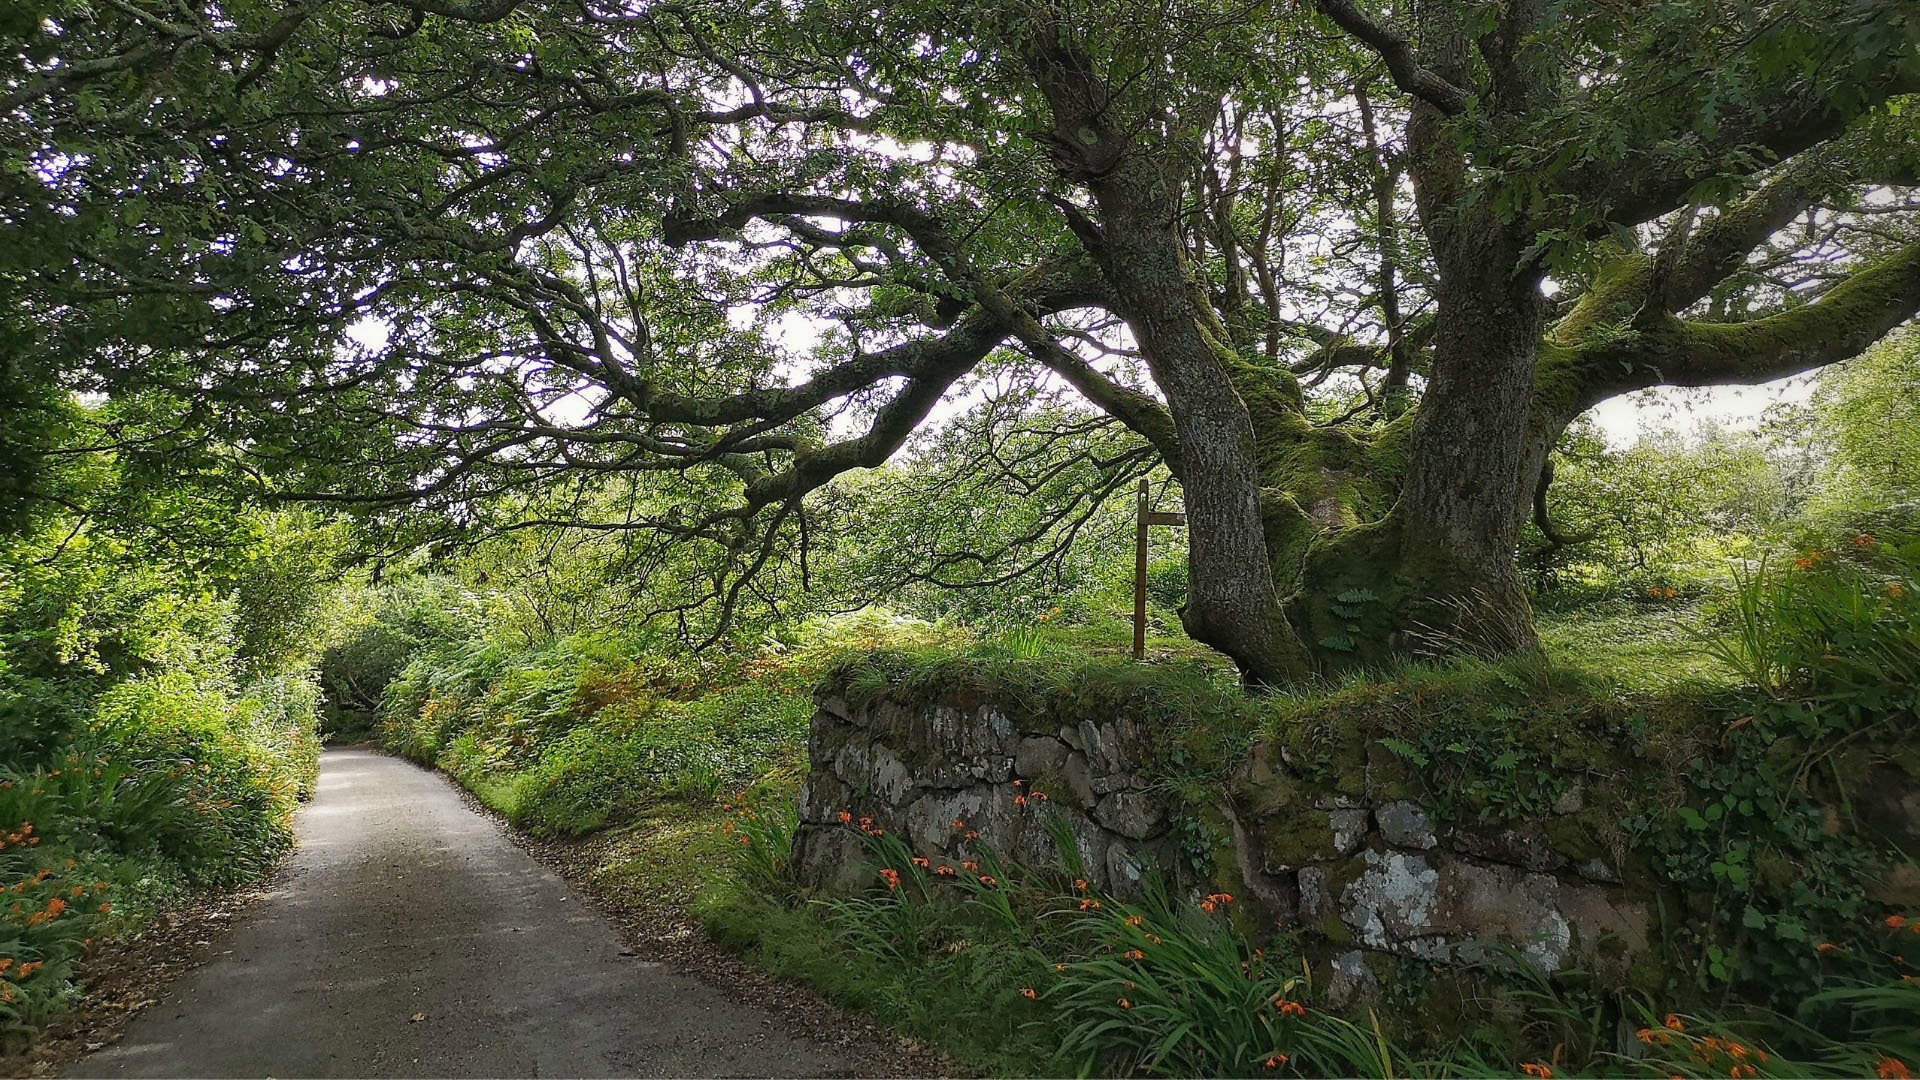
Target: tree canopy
671,270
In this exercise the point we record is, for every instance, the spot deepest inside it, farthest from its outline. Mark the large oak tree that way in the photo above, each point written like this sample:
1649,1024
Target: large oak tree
580,227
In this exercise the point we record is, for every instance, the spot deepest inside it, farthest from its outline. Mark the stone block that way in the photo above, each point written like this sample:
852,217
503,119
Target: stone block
1597,869
1038,756
1296,836
1349,829
1350,979
1404,824
1521,845
1078,780
1571,801
1131,814
1125,872
830,859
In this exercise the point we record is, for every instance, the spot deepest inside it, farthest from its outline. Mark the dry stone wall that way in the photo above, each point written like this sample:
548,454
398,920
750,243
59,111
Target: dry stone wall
1363,874
954,779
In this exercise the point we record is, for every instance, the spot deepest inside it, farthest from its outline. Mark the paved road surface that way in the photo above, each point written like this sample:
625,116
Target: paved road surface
401,901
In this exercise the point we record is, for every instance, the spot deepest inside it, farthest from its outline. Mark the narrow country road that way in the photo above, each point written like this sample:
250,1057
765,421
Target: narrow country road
400,901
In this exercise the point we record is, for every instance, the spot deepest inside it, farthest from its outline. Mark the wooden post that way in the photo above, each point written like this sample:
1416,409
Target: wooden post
1145,517
1140,576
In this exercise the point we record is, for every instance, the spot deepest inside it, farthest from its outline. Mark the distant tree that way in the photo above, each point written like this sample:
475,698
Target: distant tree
1478,222
1869,411
1664,506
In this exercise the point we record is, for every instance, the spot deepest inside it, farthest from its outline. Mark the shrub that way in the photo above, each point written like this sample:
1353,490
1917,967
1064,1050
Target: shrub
165,788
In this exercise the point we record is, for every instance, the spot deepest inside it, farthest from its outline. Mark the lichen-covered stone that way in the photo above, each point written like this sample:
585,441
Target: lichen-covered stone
1315,901
1596,869
1391,901
1349,828
1125,873
1350,979
1404,824
1449,910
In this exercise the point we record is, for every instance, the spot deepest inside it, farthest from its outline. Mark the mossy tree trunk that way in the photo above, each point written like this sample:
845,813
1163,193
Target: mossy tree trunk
1314,547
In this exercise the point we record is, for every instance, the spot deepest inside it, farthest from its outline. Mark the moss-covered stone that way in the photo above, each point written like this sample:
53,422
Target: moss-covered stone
1295,836
1579,837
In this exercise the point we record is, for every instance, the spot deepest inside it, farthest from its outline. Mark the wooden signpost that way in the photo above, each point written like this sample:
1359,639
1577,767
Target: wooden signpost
1146,517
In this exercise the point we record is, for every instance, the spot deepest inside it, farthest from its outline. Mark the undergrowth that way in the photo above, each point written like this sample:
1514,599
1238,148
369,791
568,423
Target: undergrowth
163,789
1023,971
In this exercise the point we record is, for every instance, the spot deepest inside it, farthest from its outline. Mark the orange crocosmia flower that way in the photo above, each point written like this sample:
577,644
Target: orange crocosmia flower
1124,1003
1645,1035
891,877
1892,1068
1825,947
1019,783
1534,1068
1059,967
104,908
1863,540
6,962
973,834
1134,920
985,880
945,871
1895,922
1134,954
1206,906
1277,1060
1080,884
1289,1008
920,862
845,817
973,866
1019,800
1153,939
745,839
1028,993
1673,1021
958,824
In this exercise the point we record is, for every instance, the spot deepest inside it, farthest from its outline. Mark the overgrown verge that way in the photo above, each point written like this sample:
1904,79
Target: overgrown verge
1024,971
158,712
165,789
